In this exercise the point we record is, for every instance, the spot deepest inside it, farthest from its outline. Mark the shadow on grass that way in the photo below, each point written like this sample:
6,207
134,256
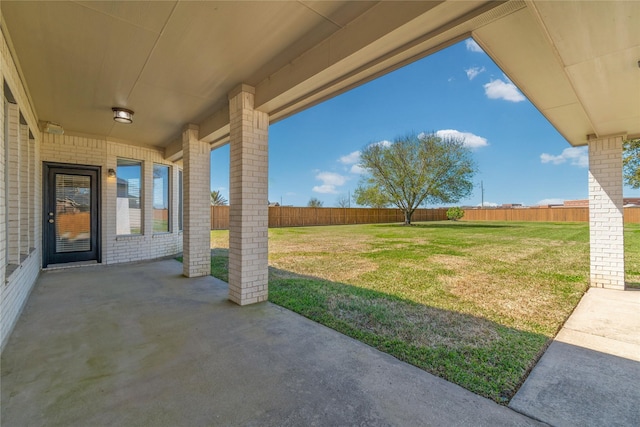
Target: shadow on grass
480,355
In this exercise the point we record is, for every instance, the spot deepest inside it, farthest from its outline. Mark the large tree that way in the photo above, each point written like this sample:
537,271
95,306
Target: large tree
631,161
418,169
369,194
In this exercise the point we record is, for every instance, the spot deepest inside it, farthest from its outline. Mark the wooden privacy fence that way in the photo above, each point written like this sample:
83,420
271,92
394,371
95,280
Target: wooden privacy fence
297,217
632,215
281,216
541,214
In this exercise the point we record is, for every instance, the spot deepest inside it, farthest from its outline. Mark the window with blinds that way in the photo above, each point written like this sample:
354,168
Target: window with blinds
73,210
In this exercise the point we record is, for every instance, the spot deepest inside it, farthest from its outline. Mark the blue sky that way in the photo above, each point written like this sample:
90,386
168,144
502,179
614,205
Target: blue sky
521,158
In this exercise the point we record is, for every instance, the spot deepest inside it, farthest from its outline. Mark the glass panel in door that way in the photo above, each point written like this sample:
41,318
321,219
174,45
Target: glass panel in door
73,213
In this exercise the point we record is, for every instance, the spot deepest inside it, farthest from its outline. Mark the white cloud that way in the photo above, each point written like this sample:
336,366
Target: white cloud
325,189
470,140
350,158
473,46
544,202
474,71
499,89
576,156
330,180
488,205
357,169
384,143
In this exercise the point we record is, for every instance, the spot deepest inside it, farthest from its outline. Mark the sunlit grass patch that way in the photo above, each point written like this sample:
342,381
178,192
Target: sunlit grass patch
473,302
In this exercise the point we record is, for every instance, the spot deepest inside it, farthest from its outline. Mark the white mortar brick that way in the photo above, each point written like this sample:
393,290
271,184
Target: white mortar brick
105,153
24,189
17,282
13,184
606,214
248,211
197,204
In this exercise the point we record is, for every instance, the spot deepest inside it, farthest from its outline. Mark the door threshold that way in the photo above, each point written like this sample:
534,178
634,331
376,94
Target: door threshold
75,264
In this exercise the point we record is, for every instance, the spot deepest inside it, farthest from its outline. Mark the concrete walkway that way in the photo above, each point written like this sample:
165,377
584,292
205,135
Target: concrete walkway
140,345
590,375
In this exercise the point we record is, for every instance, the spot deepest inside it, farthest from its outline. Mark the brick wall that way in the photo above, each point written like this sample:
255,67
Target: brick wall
14,293
101,152
19,269
12,189
21,232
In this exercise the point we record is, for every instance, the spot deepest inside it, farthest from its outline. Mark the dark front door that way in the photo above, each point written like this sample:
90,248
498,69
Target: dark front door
71,214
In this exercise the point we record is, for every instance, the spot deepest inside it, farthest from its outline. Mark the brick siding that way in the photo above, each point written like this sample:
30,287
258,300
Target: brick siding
606,217
248,205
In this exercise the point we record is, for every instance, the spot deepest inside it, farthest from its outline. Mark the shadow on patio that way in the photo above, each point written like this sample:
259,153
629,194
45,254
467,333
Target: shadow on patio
141,345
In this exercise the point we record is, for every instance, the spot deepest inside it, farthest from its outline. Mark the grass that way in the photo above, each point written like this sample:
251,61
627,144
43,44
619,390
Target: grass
160,226
473,302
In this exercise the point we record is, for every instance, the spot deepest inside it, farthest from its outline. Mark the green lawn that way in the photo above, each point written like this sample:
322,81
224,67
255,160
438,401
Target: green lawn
473,302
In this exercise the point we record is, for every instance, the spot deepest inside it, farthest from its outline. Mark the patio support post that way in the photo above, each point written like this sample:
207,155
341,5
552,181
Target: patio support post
606,214
12,151
196,238
248,197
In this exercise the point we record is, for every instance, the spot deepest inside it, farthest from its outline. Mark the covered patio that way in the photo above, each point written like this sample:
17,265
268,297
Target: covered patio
90,350
130,344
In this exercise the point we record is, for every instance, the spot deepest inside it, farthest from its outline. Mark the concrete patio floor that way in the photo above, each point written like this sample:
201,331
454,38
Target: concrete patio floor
590,374
140,345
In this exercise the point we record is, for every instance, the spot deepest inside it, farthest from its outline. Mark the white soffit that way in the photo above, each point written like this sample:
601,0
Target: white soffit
599,47
174,62
171,62
576,61
526,58
305,82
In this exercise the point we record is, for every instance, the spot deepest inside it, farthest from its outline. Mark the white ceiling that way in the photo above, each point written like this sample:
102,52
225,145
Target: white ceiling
576,61
174,62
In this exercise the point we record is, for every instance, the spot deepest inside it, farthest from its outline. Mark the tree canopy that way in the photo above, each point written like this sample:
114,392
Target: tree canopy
416,170
631,163
217,199
315,203
369,194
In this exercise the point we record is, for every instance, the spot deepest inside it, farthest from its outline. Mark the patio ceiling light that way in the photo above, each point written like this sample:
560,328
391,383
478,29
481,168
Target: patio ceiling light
52,128
122,115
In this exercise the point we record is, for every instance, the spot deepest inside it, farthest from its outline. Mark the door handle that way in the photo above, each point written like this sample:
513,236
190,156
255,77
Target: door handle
51,221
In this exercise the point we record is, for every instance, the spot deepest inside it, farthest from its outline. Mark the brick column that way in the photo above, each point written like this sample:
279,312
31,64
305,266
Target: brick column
196,237
606,214
248,197
3,199
25,177
12,147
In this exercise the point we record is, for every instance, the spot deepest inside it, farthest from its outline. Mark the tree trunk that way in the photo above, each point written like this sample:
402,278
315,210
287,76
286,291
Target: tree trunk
407,217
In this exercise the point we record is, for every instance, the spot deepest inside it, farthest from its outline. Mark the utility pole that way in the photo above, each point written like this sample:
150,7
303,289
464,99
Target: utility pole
482,191
349,195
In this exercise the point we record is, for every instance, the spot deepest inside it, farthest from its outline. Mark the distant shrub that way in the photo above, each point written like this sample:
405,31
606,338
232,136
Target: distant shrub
455,213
